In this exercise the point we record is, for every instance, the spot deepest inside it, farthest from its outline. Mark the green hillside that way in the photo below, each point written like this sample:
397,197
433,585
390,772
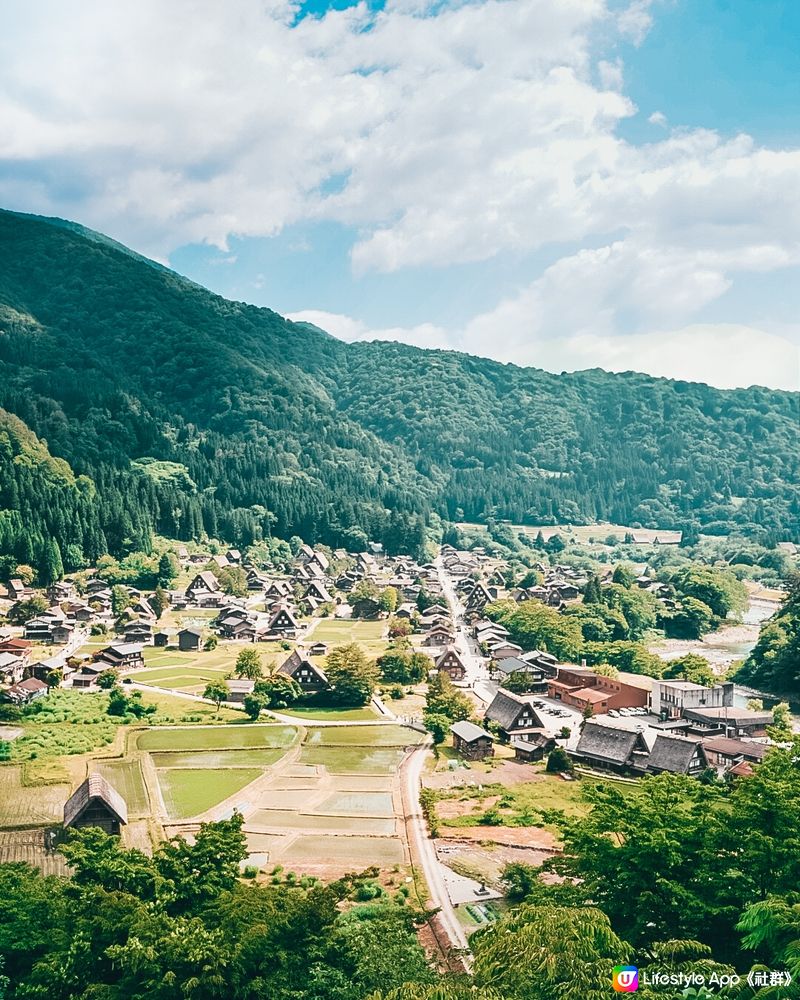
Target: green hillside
275,426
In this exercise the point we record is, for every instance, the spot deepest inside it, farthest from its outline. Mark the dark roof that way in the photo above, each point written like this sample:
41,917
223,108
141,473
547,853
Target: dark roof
295,662
609,743
505,708
469,731
513,665
95,787
736,748
730,714
30,684
449,651
672,753
191,631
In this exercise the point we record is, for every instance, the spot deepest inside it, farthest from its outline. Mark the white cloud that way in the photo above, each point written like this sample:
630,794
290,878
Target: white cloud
725,355
346,328
447,133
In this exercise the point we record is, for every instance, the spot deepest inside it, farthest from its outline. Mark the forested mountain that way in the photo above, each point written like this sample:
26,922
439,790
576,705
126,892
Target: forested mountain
180,412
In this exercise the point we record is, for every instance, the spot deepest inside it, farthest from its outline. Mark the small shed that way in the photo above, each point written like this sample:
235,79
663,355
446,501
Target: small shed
533,749
160,639
189,639
471,741
240,688
96,803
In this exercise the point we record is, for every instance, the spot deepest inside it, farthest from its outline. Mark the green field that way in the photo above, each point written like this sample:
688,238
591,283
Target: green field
353,759
257,757
216,738
341,631
327,714
189,792
126,777
365,736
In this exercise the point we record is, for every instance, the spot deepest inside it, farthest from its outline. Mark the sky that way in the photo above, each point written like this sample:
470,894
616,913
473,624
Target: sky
565,184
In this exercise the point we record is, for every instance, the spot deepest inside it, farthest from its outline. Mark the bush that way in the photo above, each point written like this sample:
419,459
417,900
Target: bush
558,761
251,871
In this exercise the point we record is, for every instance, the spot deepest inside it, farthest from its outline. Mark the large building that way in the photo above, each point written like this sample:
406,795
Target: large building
584,689
671,699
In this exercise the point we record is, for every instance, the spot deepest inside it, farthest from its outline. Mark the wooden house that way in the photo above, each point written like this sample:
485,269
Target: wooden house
122,656
25,691
677,755
310,677
513,713
533,748
451,663
609,748
471,741
189,639
283,624
96,803
12,668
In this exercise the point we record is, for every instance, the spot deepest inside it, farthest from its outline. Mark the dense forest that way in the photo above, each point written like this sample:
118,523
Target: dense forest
679,876
774,662
179,412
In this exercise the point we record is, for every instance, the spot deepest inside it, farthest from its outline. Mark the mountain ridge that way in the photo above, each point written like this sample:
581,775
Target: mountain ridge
283,427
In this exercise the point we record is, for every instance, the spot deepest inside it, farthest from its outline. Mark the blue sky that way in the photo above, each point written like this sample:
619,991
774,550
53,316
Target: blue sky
562,183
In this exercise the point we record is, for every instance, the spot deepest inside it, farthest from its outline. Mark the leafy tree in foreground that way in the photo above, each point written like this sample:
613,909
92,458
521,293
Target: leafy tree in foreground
444,698
217,691
351,675
248,664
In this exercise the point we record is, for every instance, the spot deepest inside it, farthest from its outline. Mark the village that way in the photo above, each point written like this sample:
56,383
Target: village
324,786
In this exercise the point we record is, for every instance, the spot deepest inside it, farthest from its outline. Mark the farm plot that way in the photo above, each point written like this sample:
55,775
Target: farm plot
324,713
368,736
217,737
126,777
353,759
22,806
28,846
382,851
189,792
277,819
257,757
357,804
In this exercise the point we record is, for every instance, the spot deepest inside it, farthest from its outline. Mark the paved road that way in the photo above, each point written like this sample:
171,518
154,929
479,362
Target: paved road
476,665
425,851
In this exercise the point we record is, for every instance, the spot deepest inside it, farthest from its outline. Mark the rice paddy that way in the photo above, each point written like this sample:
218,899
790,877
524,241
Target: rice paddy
188,792
217,737
126,777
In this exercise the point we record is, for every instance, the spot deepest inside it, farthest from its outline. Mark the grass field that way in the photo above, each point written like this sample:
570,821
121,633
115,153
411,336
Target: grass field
522,804
341,631
189,792
126,777
259,757
353,759
216,738
365,736
172,708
